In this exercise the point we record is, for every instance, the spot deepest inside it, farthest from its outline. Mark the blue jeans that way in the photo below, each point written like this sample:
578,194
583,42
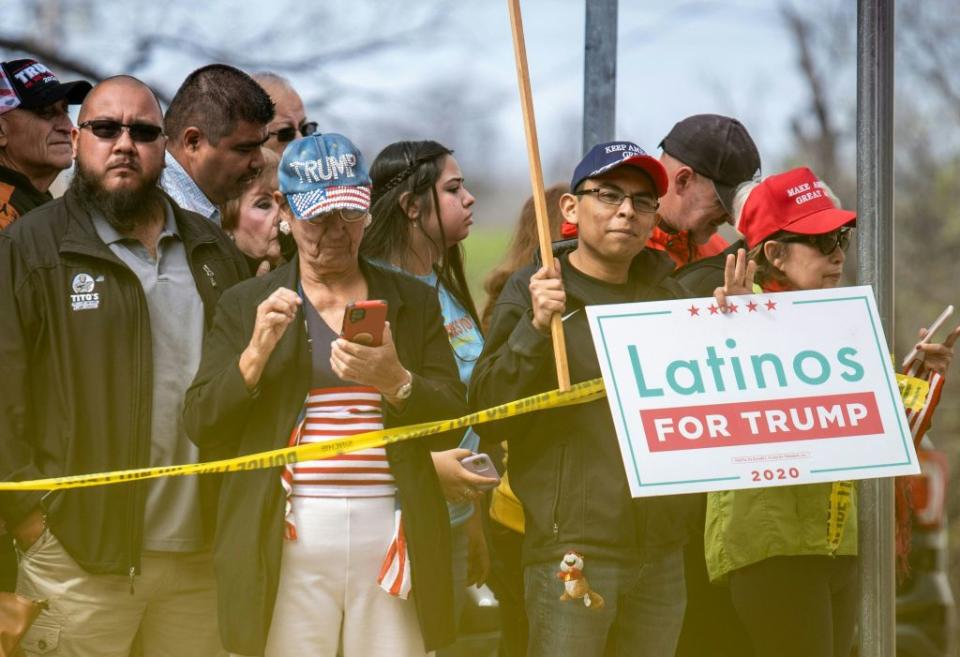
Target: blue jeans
642,615
458,536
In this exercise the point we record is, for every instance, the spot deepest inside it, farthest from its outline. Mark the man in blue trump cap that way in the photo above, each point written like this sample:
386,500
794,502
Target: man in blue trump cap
565,463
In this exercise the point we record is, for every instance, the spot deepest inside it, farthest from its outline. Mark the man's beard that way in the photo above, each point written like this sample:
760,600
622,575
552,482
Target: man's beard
123,209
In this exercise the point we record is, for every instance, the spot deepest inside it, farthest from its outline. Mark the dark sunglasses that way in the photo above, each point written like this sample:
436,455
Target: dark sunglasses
289,133
110,129
826,243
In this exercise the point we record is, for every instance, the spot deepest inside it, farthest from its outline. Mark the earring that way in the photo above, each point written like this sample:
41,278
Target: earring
284,227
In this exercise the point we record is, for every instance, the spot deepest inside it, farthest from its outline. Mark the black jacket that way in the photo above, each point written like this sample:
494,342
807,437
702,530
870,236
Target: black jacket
75,359
18,196
704,276
220,411
565,463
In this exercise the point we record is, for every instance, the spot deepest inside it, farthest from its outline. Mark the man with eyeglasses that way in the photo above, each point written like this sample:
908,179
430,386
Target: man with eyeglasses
289,119
105,295
34,134
215,126
565,463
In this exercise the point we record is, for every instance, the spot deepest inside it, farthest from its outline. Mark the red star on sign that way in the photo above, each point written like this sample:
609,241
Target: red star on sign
752,307
713,309
771,305
693,310
732,308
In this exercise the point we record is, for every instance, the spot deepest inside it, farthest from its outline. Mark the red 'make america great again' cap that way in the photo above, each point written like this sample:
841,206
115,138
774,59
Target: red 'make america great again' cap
796,201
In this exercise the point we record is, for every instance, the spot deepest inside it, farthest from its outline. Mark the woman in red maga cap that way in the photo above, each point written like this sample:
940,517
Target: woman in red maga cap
792,573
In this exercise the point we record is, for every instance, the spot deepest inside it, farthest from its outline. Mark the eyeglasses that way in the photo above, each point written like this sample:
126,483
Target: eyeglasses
289,133
347,216
826,243
143,133
642,203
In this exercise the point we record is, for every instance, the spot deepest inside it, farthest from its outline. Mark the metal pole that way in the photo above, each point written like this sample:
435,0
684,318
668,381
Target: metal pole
875,20
600,73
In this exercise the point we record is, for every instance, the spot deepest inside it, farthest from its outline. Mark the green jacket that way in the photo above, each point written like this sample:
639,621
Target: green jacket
747,526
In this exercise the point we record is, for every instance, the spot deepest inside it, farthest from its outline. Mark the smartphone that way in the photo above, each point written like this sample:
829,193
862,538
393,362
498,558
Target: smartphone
482,465
363,322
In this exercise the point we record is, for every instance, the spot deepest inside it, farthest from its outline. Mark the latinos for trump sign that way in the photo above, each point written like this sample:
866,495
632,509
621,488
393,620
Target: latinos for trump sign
781,389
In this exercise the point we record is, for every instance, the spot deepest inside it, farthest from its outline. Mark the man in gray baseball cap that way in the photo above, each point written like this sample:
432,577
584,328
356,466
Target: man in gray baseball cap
706,157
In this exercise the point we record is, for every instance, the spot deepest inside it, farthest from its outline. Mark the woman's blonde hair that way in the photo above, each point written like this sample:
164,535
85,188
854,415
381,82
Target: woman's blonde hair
230,212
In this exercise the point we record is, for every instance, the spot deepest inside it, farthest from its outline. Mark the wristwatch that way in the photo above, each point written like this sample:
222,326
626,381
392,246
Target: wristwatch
403,392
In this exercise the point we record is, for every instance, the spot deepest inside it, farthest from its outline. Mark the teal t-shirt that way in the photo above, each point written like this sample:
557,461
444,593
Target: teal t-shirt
467,343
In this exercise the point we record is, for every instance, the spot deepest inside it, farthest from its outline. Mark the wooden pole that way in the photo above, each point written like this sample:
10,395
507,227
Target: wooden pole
536,181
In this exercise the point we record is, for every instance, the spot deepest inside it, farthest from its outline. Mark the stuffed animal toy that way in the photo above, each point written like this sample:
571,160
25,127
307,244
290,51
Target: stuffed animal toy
575,584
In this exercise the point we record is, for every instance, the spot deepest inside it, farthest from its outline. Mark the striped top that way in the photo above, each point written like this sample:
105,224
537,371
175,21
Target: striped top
332,413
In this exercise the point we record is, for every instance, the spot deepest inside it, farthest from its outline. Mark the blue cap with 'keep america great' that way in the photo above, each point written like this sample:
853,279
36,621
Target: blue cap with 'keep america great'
323,173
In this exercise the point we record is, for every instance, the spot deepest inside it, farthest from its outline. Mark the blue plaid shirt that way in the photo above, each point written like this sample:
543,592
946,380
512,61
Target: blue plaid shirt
176,182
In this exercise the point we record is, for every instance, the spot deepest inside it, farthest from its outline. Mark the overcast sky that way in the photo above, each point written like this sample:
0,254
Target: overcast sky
457,82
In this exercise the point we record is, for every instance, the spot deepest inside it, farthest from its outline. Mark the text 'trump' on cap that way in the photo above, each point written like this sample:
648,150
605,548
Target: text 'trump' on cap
28,84
322,173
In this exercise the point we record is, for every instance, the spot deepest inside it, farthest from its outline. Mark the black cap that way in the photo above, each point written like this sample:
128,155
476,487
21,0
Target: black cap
717,147
35,86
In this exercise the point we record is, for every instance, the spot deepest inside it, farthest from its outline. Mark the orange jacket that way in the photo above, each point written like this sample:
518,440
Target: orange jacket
681,248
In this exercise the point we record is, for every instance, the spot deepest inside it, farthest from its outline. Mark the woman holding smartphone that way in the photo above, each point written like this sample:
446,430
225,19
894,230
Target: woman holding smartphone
792,574
422,212
348,554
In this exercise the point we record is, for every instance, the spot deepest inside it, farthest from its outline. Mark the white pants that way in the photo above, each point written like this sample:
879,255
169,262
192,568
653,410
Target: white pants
328,591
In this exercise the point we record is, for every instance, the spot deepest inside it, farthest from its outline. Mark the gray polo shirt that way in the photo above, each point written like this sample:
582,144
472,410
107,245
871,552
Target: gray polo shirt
172,521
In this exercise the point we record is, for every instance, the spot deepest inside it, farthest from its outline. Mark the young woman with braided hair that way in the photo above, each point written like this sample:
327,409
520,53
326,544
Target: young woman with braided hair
421,213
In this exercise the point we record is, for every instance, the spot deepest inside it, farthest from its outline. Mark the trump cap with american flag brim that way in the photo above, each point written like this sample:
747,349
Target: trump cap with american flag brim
28,84
322,173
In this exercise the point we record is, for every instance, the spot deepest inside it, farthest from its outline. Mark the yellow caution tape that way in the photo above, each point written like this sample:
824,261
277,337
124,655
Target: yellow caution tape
841,493
578,394
914,392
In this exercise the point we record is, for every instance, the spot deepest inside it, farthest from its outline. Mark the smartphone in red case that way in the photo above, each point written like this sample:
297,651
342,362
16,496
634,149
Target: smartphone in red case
363,322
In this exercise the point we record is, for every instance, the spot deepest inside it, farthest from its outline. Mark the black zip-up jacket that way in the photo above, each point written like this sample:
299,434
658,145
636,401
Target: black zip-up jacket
565,463
704,276
76,362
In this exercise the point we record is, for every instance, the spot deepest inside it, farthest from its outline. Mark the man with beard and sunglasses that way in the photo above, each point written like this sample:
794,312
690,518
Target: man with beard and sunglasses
215,126
105,295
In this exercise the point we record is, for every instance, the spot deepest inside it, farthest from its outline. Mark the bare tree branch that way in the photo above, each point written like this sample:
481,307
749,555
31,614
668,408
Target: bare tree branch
62,61
147,44
824,141
50,56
